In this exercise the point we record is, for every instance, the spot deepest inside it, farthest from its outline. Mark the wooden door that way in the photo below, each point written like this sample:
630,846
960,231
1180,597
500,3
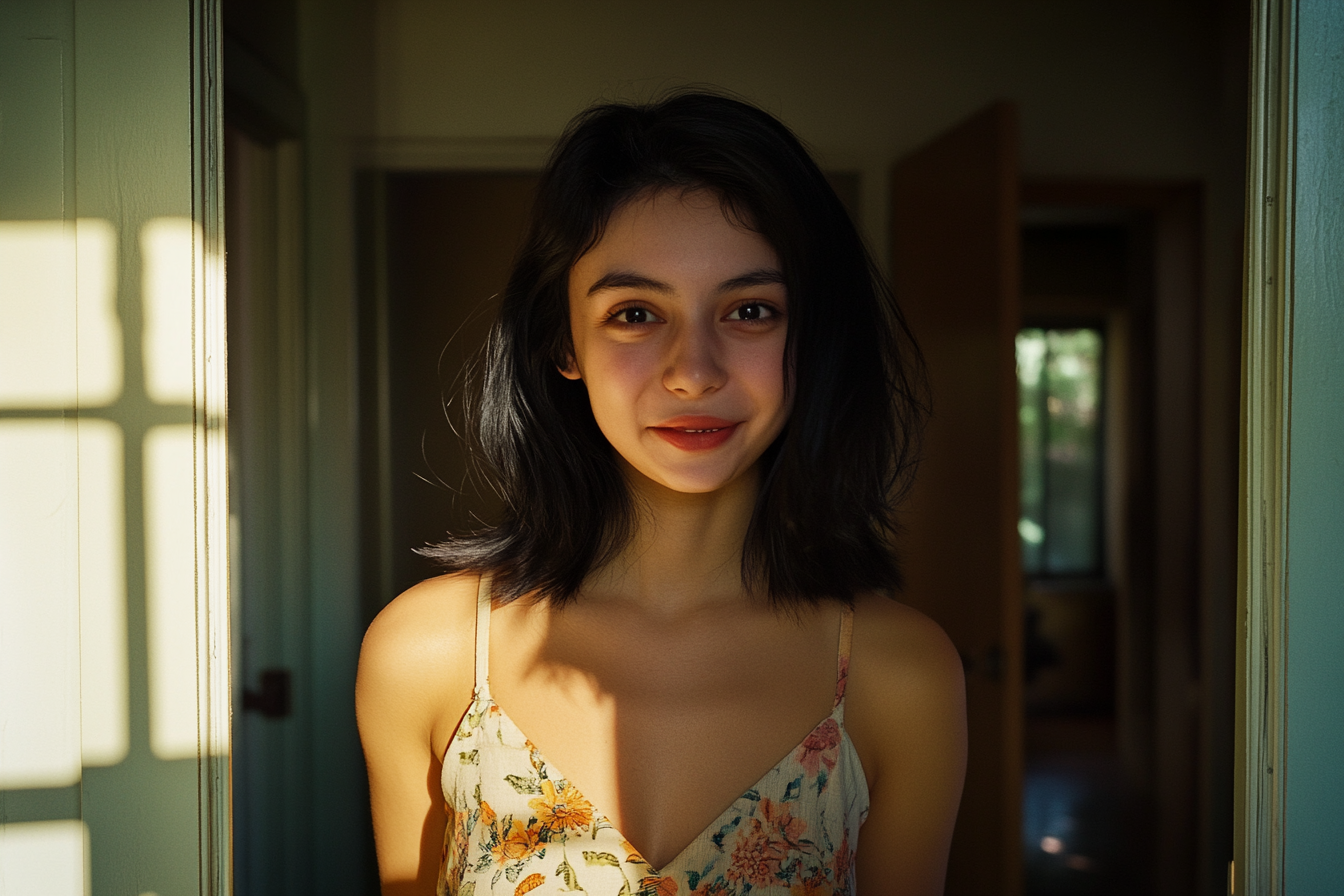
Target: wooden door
449,239
955,235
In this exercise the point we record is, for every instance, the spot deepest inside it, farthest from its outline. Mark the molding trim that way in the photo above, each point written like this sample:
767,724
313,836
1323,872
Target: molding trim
1267,373
209,405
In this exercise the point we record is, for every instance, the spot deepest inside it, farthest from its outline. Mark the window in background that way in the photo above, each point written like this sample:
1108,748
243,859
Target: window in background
1060,392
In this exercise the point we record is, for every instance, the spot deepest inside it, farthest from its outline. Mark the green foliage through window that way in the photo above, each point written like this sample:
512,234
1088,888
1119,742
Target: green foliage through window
1059,375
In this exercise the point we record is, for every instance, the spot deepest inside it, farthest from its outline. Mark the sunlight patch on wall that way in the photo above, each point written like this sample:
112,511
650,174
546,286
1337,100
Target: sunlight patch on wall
98,325
168,279
170,585
39,612
58,279
104,707
46,857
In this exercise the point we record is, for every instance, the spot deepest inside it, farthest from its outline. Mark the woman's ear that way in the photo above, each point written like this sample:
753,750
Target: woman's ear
571,370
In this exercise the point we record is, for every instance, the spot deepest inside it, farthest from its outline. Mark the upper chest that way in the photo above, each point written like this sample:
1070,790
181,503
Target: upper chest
661,726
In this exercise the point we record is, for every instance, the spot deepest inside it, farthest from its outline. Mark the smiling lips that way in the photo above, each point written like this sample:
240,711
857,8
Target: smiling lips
695,433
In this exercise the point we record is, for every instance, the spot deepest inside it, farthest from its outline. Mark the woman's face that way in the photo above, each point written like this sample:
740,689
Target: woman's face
679,323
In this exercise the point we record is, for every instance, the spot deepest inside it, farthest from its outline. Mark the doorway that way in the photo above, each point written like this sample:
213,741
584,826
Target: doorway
979,255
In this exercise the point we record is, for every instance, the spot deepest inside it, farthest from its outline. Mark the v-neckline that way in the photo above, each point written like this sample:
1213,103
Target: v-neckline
488,700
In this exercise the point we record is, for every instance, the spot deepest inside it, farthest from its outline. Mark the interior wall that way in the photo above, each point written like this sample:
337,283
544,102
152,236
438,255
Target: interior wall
1106,90
1314,825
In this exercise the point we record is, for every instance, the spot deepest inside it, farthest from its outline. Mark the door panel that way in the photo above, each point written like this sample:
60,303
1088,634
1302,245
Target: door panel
451,237
955,236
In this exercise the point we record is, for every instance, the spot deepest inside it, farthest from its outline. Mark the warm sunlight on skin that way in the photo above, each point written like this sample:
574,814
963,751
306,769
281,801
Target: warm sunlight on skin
679,322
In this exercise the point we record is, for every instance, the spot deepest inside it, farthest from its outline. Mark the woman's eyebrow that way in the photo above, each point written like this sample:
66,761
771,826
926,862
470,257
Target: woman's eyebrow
629,280
758,277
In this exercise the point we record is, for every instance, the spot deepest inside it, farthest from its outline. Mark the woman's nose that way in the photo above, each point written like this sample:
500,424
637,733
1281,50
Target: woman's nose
693,366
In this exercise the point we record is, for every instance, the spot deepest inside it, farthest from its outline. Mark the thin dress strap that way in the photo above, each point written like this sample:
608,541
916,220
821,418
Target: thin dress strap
482,685
842,662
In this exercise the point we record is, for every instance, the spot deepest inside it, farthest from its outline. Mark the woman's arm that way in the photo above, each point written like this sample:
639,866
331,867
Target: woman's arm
906,713
415,680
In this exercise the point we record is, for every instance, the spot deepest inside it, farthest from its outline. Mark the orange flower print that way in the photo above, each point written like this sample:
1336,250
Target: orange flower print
818,748
519,842
533,754
529,883
816,885
783,826
658,886
631,854
757,855
716,887
562,810
841,866
460,839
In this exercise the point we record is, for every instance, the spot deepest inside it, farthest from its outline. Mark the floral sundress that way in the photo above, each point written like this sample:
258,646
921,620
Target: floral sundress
516,826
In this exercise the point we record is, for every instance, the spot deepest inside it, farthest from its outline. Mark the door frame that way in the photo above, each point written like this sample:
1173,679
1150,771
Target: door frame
1262,569
210,414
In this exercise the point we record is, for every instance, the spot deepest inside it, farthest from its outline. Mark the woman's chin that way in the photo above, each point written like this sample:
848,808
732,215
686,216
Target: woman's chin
692,482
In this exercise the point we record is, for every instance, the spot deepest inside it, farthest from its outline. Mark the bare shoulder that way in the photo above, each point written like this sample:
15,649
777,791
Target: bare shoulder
416,662
906,681
435,608
900,649
906,715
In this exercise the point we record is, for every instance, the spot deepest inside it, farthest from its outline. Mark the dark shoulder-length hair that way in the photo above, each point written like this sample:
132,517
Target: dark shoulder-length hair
823,525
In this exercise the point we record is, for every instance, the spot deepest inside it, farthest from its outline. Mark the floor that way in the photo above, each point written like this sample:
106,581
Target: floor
1076,819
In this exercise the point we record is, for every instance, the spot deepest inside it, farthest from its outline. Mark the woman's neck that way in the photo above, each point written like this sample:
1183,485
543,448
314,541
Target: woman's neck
685,554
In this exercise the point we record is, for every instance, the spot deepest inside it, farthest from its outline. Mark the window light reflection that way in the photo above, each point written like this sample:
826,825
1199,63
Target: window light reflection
104,710
170,584
167,281
57,278
46,857
39,617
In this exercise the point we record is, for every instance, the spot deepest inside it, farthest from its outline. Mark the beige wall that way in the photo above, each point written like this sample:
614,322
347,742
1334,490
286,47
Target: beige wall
1113,90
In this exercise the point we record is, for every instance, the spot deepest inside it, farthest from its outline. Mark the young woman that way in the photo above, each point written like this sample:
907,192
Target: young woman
676,666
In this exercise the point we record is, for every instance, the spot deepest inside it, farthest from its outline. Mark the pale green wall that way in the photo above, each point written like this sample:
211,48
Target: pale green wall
1314,826
96,129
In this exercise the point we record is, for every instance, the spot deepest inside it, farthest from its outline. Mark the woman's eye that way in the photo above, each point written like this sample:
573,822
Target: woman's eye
634,315
751,311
